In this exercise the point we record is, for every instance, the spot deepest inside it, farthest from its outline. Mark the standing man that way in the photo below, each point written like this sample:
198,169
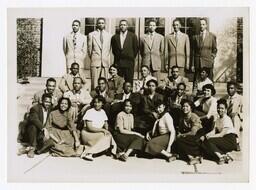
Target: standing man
177,49
75,47
204,50
99,48
125,49
152,50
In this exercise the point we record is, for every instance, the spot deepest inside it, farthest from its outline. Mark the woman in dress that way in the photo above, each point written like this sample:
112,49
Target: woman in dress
222,139
127,140
95,135
187,144
60,127
160,139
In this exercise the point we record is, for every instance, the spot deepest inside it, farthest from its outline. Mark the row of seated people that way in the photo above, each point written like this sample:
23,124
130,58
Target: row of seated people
80,126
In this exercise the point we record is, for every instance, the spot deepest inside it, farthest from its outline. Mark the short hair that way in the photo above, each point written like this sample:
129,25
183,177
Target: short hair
102,78
182,84
176,20
152,20
231,83
123,20
99,98
125,101
126,83
222,101
204,20
174,67
77,78
46,95
64,98
113,65
78,21
152,80
101,18
50,80
205,69
211,87
189,102
75,63
145,66
159,102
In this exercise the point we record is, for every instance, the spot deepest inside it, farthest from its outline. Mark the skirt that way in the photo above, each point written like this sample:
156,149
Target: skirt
127,141
97,142
66,148
157,144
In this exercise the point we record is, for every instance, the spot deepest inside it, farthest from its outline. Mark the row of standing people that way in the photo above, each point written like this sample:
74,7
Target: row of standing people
153,47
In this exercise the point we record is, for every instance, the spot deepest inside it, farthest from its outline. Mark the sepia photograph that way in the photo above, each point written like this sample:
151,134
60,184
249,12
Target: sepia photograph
128,94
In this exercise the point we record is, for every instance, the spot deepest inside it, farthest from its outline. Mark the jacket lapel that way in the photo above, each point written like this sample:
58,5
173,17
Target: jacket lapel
97,39
147,41
118,40
173,40
41,115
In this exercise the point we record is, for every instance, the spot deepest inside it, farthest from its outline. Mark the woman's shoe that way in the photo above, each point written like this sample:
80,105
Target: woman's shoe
228,158
118,155
123,157
221,161
172,158
194,160
88,157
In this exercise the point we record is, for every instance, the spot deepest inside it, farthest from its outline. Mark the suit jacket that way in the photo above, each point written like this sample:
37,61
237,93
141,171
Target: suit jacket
178,54
173,101
36,116
77,54
99,53
152,53
66,82
57,94
204,53
116,85
149,105
170,84
124,58
109,96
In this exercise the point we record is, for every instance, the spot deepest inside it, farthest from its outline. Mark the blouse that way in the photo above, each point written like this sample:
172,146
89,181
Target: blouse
224,123
163,124
60,120
98,118
191,123
209,106
124,121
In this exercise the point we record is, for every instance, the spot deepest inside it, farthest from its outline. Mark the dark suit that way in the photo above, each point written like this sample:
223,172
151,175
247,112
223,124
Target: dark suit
35,124
116,84
124,57
204,52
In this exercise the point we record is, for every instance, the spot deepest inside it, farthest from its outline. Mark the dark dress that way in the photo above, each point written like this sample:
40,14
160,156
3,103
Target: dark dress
126,141
190,144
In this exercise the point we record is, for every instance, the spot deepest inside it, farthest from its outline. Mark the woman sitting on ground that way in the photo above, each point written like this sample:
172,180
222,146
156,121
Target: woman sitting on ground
60,127
127,140
95,135
222,139
187,143
160,139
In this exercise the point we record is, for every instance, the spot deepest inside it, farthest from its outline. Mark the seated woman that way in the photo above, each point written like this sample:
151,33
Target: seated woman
60,127
115,83
222,139
206,107
127,140
160,139
199,83
187,143
95,135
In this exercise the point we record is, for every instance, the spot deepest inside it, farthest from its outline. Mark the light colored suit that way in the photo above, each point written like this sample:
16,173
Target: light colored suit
152,52
178,53
99,54
75,52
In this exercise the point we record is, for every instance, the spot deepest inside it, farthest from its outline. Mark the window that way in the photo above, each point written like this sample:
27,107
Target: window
90,25
160,23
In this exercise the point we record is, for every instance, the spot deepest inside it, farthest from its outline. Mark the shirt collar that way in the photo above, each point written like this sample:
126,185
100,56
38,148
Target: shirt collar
124,34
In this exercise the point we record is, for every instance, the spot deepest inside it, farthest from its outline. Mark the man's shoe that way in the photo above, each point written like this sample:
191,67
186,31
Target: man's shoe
238,147
22,150
47,145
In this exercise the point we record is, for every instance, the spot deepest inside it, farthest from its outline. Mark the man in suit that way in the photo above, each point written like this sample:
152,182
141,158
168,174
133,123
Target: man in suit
170,84
50,89
177,49
204,50
152,49
36,122
125,49
75,47
66,82
99,48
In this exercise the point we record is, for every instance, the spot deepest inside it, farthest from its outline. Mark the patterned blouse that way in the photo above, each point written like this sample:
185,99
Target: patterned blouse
124,121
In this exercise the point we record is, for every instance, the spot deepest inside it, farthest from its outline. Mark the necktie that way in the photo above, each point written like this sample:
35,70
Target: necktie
144,83
201,38
230,107
176,38
74,40
101,37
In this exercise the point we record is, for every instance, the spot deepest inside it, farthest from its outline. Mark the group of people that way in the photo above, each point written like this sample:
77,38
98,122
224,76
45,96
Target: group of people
121,117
